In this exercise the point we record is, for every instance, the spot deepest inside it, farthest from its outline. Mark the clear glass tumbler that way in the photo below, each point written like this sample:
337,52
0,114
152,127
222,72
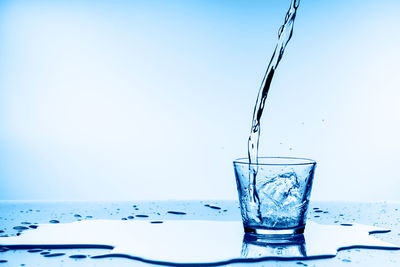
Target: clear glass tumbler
274,194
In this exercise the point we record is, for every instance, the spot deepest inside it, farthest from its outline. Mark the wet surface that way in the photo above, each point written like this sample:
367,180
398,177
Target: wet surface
12,214
177,212
195,241
78,256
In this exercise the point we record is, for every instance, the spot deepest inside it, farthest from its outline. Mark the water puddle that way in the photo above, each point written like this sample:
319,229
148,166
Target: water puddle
192,241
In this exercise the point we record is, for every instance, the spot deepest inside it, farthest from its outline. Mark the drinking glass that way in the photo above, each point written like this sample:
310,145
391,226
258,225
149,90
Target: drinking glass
274,194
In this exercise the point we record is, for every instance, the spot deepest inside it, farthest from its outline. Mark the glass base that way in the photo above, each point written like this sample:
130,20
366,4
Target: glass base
274,233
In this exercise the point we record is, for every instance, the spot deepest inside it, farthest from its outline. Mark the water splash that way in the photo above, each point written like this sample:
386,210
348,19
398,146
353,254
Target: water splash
284,35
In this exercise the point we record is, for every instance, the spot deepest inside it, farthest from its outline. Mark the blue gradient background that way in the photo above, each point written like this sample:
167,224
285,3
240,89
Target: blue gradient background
153,99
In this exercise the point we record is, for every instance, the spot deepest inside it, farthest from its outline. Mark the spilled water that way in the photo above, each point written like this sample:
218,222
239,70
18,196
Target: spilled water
191,241
284,35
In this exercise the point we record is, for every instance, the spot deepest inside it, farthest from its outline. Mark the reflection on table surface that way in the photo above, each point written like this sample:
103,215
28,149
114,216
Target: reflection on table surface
196,231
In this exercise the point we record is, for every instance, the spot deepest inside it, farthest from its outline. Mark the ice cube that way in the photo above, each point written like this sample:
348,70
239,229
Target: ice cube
281,190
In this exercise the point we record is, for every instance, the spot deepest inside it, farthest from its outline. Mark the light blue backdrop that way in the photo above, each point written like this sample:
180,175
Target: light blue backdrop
153,99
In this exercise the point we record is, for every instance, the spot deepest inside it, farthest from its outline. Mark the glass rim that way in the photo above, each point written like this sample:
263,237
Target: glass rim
295,161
